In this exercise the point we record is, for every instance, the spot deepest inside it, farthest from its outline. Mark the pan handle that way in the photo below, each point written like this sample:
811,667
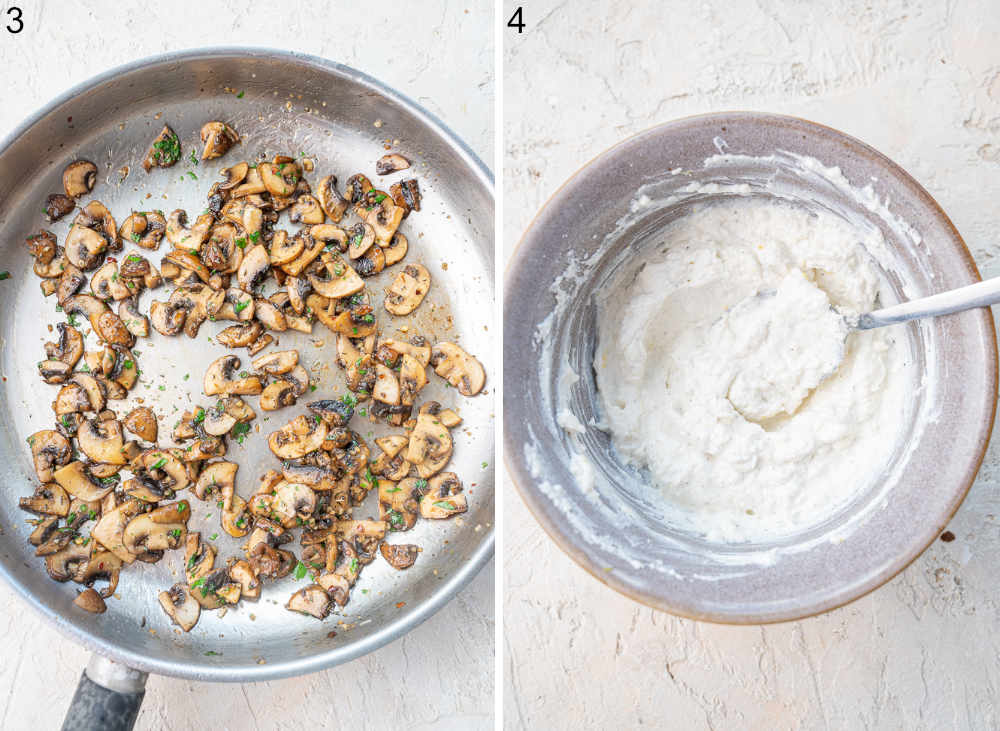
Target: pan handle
107,697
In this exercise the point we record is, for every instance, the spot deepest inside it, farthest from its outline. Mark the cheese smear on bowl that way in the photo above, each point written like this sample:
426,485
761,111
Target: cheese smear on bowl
726,370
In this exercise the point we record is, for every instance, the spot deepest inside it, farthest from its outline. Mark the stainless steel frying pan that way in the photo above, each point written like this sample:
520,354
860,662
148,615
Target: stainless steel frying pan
279,102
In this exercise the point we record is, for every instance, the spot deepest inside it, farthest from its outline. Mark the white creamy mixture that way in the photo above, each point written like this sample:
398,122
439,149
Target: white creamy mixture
723,369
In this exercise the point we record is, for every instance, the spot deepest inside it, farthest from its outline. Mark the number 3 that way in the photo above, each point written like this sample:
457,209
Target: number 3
516,20
16,12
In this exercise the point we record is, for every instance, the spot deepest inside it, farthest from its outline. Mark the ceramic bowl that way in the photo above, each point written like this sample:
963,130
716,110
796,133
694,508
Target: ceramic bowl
615,528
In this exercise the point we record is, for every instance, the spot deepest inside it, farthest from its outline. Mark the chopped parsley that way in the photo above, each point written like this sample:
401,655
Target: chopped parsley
71,319
213,536
159,463
241,242
240,431
4,275
240,306
254,236
176,532
136,238
240,95
445,504
193,158
199,416
168,149
300,570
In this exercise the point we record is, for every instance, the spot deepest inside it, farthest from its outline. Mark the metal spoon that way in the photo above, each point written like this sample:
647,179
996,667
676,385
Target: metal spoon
980,294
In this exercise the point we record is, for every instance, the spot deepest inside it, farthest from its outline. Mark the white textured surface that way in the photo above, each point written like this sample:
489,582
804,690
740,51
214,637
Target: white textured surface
439,676
921,82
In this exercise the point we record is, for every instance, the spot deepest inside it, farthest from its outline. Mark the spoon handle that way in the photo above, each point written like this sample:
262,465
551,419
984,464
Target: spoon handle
980,294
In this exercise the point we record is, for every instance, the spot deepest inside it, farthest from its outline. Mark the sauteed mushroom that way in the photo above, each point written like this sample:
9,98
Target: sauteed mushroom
180,606
221,378
58,205
391,163
218,138
408,290
79,177
164,152
459,368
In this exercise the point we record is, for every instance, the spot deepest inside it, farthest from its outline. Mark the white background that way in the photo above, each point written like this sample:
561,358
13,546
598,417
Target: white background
920,81
439,53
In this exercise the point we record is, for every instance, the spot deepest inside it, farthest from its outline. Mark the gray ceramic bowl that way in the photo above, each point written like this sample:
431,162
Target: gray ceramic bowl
616,530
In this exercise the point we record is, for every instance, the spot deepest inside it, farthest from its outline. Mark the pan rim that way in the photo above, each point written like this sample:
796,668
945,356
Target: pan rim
446,590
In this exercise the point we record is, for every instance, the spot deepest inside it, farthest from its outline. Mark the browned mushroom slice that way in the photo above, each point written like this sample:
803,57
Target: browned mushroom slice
400,556
180,606
399,502
239,336
188,238
459,368
278,394
141,421
312,600
234,519
167,318
396,249
102,441
384,217
84,247
430,444
285,248
42,246
254,268
307,210
135,322
443,498
106,284
242,572
362,238
343,281
78,482
406,194
144,228
334,204
408,290
69,348
386,385
164,152
279,179
313,243
270,316
277,363
160,529
251,183
298,438
218,138
221,378
238,305
412,378
48,499
79,177
391,163
357,189
58,205
90,601
54,371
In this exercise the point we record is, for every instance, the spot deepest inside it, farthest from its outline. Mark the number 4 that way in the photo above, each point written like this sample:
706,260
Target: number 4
516,21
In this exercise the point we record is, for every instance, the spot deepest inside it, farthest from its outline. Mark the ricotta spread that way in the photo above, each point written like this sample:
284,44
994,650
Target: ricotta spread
726,370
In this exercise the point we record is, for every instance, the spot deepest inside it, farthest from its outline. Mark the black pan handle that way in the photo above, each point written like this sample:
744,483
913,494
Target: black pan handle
107,698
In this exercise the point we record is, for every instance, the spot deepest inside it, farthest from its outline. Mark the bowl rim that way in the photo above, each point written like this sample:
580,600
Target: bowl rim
534,501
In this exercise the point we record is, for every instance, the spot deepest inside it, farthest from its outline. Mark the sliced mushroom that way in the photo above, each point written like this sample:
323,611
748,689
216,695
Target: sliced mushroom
279,179
141,421
218,138
145,228
158,530
311,600
400,556
167,466
102,441
78,482
392,445
187,238
408,290
90,601
216,477
164,152
254,269
63,564
48,499
106,284
385,217
111,527
277,363
357,189
343,280
58,205
371,263
430,443
285,248
199,557
386,386
396,249
221,378
443,498
180,606
85,247
278,394
239,336
412,378
241,572
136,323
105,323
417,348
406,194
49,449
459,368
92,387
391,163
168,319
270,316
298,438
362,238
234,520
335,412
79,177
334,204
293,500
307,210
313,244
399,502
363,535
